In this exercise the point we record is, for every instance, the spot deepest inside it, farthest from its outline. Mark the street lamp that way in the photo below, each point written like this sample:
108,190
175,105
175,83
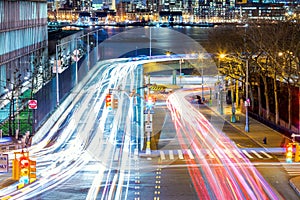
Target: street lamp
58,65
180,67
220,91
201,56
57,81
247,103
88,46
150,47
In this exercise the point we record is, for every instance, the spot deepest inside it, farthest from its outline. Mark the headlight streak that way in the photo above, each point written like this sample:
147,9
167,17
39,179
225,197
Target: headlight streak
236,181
117,83
65,160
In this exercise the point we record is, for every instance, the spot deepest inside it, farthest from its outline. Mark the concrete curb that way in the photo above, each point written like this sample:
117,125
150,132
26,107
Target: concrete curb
294,182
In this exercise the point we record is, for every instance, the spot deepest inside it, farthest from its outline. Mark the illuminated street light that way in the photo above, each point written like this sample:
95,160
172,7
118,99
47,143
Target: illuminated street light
247,103
220,91
201,57
88,46
180,69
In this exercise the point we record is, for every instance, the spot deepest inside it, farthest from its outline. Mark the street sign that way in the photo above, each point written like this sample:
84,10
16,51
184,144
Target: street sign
32,104
3,163
148,127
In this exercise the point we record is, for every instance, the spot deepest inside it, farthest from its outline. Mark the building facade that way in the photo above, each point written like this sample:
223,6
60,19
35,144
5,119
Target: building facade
23,57
24,41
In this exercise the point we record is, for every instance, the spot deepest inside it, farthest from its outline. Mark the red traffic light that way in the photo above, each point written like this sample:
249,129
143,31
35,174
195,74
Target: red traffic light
24,162
108,101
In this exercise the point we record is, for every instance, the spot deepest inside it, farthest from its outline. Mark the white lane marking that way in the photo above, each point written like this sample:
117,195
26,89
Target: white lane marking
200,154
266,154
247,154
162,155
237,153
190,154
116,156
171,155
180,155
259,156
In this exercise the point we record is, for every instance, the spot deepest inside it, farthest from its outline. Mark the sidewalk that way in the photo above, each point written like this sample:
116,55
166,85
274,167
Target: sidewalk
257,132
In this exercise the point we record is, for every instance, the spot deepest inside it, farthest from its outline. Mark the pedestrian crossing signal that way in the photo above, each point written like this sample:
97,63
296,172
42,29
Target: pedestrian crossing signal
289,153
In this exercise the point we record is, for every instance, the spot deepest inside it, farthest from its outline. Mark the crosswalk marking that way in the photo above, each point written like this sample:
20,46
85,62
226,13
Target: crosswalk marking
116,156
237,153
266,154
259,156
293,170
180,155
190,154
205,153
200,154
247,154
171,155
162,155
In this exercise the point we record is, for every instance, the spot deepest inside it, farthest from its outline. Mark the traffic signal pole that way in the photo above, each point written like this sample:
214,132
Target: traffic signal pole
148,131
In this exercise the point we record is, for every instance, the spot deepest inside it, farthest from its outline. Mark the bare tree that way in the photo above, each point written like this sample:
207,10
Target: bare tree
279,44
272,50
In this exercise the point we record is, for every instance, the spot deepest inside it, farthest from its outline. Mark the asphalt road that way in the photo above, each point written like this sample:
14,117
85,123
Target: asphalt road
166,175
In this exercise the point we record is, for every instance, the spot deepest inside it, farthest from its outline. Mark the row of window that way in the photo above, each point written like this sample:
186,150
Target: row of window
16,14
18,39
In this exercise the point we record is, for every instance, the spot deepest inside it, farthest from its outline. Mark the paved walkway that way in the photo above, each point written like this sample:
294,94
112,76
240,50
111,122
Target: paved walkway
259,132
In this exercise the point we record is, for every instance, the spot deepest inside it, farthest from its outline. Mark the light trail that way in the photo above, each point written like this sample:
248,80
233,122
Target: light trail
78,142
226,176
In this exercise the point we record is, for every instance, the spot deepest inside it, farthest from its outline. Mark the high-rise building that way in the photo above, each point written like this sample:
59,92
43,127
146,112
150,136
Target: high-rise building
24,43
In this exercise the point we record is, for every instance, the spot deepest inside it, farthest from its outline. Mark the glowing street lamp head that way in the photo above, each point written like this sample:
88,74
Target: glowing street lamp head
222,55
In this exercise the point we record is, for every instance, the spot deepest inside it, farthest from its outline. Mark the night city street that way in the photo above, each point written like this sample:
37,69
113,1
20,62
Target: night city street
149,100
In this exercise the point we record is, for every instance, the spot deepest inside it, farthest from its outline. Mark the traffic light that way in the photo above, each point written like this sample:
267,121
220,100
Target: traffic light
24,169
108,102
150,102
15,170
115,103
289,153
32,171
297,153
241,1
